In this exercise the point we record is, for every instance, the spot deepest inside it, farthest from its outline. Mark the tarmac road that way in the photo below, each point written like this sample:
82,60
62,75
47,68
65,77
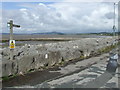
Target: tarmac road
93,77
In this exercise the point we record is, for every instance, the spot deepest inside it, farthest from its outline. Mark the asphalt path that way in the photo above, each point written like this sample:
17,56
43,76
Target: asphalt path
95,76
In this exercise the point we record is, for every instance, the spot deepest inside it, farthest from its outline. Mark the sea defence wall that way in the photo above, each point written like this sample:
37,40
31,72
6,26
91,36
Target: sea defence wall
36,57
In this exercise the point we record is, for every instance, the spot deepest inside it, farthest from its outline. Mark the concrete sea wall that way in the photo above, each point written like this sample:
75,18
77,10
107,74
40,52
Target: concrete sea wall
35,57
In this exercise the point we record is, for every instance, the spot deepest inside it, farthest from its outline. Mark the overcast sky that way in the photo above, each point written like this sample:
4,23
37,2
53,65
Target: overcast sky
69,17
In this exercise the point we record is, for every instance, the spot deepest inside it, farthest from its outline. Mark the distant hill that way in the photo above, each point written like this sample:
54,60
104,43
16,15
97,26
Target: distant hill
60,33
14,33
4,33
46,33
57,33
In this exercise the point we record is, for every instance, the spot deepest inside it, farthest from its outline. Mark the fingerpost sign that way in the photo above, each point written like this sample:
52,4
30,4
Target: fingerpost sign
10,24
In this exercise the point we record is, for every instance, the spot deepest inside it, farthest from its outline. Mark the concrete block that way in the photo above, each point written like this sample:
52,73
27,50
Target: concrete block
9,67
40,56
70,54
26,63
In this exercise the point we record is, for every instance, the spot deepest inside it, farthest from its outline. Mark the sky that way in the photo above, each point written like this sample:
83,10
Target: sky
66,17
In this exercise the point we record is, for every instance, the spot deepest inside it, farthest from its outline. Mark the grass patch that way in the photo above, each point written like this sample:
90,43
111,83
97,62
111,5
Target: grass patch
5,78
6,45
31,70
82,57
40,39
61,63
107,49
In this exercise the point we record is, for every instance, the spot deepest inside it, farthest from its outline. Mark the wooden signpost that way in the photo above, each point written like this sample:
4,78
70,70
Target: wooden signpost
12,42
114,27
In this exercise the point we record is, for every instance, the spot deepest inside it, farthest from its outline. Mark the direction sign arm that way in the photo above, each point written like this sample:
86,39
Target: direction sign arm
16,25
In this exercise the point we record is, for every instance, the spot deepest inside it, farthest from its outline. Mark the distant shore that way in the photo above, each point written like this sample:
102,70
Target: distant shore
48,37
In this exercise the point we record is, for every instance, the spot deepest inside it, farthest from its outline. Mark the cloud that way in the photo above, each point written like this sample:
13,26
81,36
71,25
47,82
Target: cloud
61,17
61,0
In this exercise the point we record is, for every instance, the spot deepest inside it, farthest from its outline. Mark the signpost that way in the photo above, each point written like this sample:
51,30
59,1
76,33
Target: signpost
11,42
114,28
114,24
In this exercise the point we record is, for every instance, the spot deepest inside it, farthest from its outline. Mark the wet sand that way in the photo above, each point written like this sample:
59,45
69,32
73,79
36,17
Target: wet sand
19,37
